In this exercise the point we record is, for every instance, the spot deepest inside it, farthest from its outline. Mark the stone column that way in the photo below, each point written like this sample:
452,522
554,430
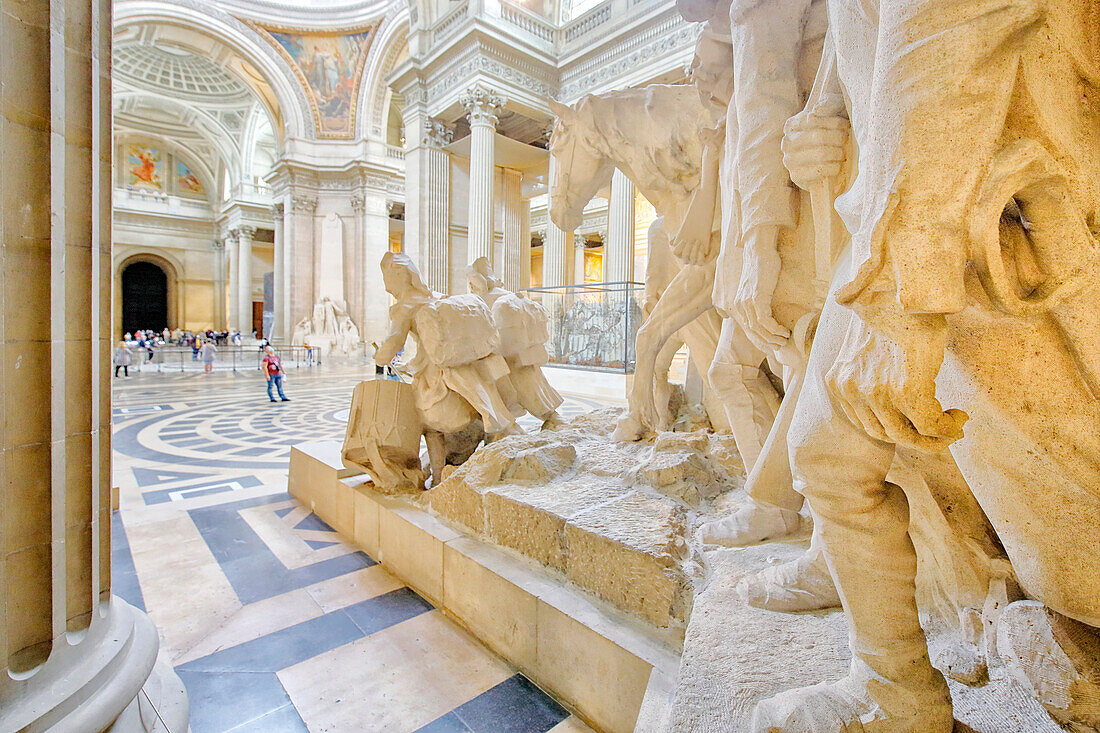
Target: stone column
436,206
72,656
557,250
578,261
244,279
277,285
417,196
376,242
482,106
514,210
299,231
234,280
219,285
618,251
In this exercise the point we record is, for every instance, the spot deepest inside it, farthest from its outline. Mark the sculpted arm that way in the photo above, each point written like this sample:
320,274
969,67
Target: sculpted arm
400,325
944,77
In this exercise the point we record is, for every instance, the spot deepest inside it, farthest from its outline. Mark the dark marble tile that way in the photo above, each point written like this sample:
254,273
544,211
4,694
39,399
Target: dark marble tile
162,495
381,612
282,648
153,476
515,705
283,720
319,545
449,723
221,701
124,579
312,521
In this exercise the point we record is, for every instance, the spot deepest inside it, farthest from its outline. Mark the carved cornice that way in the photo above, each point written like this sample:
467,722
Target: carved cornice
482,105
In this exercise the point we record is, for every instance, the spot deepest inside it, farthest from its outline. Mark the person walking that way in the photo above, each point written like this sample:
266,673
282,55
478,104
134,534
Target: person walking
272,367
122,359
208,351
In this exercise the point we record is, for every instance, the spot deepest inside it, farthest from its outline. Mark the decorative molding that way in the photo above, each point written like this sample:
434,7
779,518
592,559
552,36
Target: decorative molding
482,105
488,61
277,209
357,203
437,133
305,204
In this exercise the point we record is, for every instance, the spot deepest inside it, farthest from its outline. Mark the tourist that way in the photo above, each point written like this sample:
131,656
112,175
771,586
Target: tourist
272,366
121,359
208,351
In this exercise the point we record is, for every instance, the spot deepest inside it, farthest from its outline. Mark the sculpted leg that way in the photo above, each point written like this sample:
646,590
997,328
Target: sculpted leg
862,522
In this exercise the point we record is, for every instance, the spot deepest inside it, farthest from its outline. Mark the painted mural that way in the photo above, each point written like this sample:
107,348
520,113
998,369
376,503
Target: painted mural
331,66
593,267
187,181
145,168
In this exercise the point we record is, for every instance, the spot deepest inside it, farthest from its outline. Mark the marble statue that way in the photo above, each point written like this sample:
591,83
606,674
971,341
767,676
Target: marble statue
970,282
666,163
457,365
522,325
330,328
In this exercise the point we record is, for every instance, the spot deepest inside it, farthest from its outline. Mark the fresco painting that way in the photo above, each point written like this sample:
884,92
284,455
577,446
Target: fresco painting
593,267
145,168
330,65
187,181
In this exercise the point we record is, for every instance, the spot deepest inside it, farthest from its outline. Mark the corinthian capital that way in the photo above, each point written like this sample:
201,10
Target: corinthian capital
482,105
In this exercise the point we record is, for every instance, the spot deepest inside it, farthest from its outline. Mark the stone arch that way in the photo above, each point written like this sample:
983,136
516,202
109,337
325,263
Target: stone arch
208,20
175,291
374,94
196,162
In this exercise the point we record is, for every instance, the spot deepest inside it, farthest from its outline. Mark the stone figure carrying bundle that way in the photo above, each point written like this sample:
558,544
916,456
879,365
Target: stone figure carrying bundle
457,365
523,328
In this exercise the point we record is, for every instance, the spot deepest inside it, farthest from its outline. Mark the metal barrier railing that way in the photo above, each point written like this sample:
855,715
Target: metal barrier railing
593,326
226,358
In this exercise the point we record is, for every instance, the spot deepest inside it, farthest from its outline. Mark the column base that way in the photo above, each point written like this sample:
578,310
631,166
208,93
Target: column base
105,678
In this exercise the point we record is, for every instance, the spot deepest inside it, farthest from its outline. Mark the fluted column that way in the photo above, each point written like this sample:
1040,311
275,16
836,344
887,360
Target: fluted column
436,205
557,251
618,251
482,106
376,242
234,253
219,285
72,656
514,210
244,278
277,276
578,261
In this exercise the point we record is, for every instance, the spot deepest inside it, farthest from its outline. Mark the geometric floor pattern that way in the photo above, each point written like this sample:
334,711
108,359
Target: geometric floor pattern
271,621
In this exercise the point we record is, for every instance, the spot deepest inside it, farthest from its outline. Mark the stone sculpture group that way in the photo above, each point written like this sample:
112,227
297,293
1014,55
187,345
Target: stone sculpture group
891,206
476,368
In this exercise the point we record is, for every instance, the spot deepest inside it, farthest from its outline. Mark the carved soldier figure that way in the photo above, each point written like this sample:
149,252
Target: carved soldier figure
522,324
974,284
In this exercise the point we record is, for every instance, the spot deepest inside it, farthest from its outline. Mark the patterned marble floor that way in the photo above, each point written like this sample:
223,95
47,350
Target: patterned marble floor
272,622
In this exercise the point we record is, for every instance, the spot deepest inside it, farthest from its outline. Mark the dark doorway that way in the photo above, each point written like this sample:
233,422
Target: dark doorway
144,298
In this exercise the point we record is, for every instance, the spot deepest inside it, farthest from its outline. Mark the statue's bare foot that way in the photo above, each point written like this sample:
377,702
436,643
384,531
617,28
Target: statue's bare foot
628,429
799,585
751,523
1056,658
846,706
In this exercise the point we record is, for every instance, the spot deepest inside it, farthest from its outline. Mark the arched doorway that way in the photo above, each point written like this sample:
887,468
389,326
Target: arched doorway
144,297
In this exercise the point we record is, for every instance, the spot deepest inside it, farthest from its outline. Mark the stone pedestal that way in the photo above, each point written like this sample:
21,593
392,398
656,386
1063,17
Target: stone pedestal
72,656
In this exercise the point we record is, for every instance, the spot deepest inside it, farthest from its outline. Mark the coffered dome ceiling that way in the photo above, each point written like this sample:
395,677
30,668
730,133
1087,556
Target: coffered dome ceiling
178,73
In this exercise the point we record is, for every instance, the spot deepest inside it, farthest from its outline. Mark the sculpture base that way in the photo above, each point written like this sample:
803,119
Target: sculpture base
613,673
735,656
106,678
